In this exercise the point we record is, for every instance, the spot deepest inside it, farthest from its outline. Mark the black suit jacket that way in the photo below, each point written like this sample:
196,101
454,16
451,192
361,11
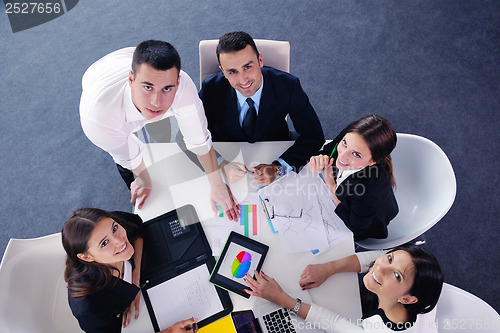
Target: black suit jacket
367,201
282,95
101,312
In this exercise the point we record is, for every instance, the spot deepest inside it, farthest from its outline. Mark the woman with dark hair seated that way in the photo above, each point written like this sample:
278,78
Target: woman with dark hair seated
102,271
400,290
357,168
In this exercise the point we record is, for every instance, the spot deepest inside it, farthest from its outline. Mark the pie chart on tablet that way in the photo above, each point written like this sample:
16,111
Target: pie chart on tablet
241,264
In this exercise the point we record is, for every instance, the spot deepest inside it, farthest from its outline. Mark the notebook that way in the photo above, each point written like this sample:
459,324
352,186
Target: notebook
175,269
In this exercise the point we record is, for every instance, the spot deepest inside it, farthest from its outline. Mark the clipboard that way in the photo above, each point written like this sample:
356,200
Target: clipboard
175,250
266,209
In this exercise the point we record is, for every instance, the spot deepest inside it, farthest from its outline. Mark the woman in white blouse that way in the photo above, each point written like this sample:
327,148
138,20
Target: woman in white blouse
404,283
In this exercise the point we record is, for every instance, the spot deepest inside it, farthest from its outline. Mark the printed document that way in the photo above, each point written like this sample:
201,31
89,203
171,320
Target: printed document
185,296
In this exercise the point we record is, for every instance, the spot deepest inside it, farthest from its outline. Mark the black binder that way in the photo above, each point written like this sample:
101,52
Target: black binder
175,243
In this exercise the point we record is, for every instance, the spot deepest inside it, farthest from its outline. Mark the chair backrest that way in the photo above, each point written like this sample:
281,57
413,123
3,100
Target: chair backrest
274,54
460,311
425,190
34,297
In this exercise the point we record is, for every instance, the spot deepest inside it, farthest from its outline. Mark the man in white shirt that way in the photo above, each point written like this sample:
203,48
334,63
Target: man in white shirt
128,88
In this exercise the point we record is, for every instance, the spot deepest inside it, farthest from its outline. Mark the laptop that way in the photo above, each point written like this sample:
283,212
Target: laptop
268,317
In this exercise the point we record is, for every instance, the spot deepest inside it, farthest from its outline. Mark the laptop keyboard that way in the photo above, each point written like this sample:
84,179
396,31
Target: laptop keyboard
279,321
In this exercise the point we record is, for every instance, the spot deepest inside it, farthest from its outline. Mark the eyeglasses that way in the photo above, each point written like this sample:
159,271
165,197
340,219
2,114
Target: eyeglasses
291,215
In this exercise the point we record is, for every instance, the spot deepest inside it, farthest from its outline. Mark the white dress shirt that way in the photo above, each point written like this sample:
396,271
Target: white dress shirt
109,117
243,106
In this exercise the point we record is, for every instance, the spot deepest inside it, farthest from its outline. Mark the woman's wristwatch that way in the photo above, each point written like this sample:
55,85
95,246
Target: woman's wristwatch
295,310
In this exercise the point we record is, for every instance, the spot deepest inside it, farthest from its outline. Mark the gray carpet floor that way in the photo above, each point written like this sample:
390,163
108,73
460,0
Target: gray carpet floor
430,67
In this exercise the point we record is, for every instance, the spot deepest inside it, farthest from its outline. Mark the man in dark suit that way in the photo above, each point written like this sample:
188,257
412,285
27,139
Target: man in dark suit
249,102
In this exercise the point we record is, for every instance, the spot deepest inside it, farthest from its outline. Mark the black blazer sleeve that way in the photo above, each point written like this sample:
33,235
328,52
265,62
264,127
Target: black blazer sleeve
101,312
307,126
282,95
367,203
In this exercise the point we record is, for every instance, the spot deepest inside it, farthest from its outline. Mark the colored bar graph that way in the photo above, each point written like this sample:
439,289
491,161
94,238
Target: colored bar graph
248,219
254,222
245,220
242,215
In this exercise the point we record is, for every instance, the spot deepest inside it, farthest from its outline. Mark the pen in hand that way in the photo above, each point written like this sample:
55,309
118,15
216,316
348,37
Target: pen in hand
305,285
240,169
193,327
331,154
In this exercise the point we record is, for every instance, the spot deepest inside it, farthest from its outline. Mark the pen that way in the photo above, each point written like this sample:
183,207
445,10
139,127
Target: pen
240,169
333,151
304,286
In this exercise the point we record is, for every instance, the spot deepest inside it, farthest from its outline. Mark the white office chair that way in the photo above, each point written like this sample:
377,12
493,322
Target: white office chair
425,190
34,297
460,311
274,54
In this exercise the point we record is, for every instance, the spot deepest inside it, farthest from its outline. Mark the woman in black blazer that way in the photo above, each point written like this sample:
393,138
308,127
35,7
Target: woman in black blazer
357,168
101,270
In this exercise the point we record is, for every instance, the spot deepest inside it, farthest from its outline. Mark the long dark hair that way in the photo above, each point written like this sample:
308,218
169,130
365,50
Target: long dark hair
381,139
428,279
84,277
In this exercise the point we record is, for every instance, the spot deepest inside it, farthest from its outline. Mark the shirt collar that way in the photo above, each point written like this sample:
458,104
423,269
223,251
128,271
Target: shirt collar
343,174
255,97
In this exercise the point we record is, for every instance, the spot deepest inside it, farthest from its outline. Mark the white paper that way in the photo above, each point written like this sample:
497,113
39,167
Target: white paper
219,227
185,296
335,229
318,227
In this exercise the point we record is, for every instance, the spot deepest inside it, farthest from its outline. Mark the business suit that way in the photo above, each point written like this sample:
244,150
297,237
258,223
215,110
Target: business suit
367,201
282,95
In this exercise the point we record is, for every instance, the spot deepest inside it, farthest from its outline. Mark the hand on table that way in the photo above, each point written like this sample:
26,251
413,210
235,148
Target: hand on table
222,195
139,190
181,326
266,287
128,312
265,174
233,174
314,275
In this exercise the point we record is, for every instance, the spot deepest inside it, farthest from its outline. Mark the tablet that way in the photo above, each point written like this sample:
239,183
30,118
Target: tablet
239,256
